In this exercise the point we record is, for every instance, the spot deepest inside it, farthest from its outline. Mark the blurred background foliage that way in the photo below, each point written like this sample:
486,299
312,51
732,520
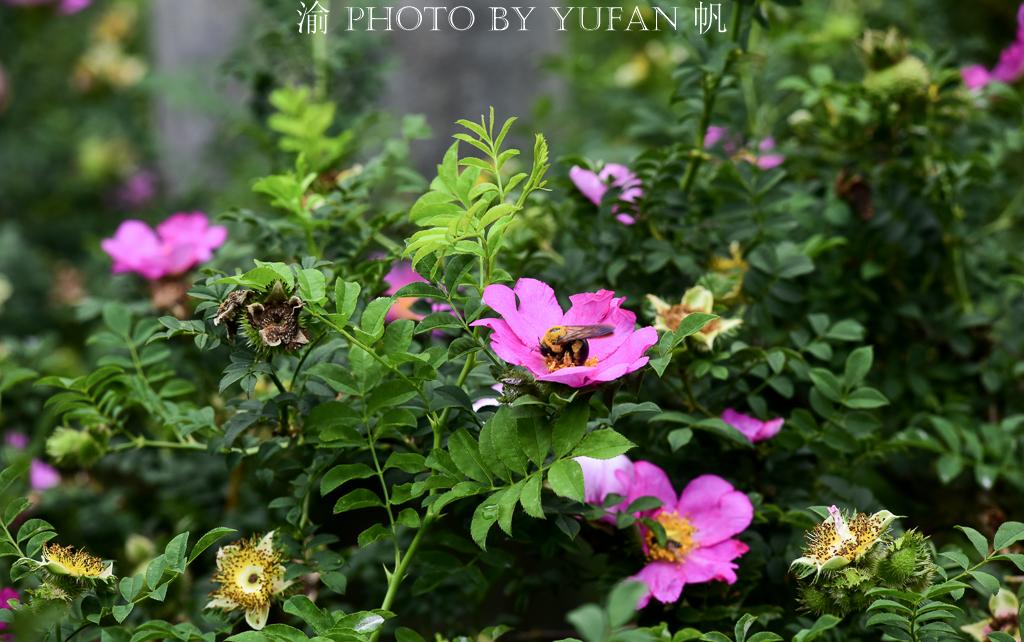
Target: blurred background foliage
898,208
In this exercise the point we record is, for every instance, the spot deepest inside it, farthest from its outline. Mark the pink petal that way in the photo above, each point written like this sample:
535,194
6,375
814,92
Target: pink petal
707,563
631,353
770,161
766,145
511,348
603,477
400,275
664,583
1010,67
618,175
651,481
588,183
1020,23
135,248
529,310
713,136
601,307
68,7
16,440
43,475
754,429
975,76
715,508
625,219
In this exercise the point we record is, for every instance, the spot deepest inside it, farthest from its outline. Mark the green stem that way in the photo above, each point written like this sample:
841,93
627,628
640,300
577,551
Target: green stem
140,442
710,97
403,565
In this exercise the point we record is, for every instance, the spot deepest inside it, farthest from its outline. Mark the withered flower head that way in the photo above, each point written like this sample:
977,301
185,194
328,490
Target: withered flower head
270,321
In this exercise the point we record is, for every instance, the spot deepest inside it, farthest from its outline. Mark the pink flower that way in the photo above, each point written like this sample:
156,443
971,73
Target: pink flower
6,595
179,243
700,523
1010,67
594,186
530,310
401,275
42,475
768,161
137,190
754,429
716,135
68,7
16,440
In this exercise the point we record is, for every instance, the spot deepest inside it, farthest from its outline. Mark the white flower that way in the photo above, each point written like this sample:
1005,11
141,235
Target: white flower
250,575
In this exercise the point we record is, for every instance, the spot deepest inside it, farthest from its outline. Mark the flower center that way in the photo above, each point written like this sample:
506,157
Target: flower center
76,563
679,541
250,579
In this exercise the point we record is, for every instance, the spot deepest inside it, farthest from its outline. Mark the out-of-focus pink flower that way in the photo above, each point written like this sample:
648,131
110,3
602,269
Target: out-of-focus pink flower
531,309
762,157
16,439
137,190
179,243
753,428
42,475
401,275
6,595
701,524
66,7
595,185
766,160
1010,67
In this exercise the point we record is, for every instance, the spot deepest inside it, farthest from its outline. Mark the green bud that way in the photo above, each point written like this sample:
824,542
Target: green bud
815,600
77,447
910,76
139,549
898,567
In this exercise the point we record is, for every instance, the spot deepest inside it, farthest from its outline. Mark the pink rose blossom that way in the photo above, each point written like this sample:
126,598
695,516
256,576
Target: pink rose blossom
16,440
595,185
6,595
531,309
401,275
66,7
732,146
754,429
702,523
42,475
1010,67
179,243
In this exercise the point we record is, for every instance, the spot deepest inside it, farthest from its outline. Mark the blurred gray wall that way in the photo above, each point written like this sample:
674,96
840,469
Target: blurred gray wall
190,39
448,75
444,75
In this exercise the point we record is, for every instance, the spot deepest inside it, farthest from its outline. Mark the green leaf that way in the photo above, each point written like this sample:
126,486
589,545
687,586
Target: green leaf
988,582
623,601
343,473
534,440
530,497
602,444
359,498
465,453
372,321
568,429
566,479
312,285
122,611
858,364
346,297
1009,533
118,318
301,607
826,383
207,540
978,540
679,438
484,517
591,621
824,623
865,398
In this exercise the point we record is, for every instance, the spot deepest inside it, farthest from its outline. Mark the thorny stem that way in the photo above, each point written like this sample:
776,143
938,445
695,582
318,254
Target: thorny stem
710,97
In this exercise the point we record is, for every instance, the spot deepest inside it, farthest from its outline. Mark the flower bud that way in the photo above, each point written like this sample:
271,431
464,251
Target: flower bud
76,447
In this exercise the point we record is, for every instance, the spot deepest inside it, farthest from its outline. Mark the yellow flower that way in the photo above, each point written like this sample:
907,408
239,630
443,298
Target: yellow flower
250,574
835,543
696,299
66,561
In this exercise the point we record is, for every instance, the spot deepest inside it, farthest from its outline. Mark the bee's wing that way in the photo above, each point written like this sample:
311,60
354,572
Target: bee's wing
577,332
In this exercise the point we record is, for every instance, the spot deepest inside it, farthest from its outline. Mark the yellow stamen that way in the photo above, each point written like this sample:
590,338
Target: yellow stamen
679,541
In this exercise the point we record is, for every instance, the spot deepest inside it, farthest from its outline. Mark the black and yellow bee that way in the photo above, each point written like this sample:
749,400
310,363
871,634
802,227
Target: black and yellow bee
564,346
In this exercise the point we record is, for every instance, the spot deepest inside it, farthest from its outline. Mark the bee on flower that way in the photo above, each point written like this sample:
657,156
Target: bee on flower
251,575
667,317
